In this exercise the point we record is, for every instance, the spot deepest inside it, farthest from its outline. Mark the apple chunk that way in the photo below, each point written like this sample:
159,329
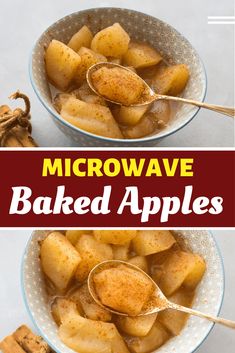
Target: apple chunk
92,252
117,237
82,38
175,320
90,117
171,80
111,41
62,309
139,261
179,267
88,58
59,259
61,64
148,242
195,276
140,55
136,326
156,337
93,311
89,336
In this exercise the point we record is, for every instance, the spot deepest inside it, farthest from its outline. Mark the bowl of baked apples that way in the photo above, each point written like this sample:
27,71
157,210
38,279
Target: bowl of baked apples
186,266
148,48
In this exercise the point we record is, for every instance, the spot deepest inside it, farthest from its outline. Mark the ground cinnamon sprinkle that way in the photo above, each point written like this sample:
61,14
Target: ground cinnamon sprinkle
118,85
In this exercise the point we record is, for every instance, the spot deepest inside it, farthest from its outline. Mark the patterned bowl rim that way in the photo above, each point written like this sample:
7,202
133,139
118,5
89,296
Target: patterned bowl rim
108,139
41,333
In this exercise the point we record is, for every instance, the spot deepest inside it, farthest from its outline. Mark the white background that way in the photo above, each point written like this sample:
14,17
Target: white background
23,21
13,312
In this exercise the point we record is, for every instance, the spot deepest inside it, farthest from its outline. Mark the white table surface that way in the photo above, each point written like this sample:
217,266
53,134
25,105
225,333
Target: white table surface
22,22
13,312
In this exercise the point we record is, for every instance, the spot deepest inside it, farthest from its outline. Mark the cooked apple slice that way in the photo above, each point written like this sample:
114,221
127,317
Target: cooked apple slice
80,39
62,309
118,237
141,55
171,80
93,118
88,58
61,64
121,252
74,235
195,276
136,326
179,266
92,252
130,115
89,336
175,320
112,41
149,242
93,311
140,261
152,341
59,259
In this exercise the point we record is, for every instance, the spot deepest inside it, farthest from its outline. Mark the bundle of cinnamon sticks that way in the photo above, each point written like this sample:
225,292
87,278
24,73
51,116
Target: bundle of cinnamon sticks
23,340
15,125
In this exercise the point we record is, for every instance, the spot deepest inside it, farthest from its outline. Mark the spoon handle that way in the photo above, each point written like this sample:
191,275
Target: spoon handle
230,111
218,320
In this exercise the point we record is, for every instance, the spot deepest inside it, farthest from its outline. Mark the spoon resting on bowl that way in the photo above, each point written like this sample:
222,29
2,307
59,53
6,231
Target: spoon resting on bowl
156,301
147,96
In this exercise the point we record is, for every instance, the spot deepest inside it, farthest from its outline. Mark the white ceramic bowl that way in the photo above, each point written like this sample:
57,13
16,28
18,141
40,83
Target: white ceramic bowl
209,295
170,43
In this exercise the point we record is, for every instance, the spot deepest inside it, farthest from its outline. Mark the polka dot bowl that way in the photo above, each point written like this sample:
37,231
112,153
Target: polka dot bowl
141,27
209,295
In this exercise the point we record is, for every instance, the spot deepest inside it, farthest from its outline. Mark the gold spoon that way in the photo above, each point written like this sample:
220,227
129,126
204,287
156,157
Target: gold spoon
157,302
149,95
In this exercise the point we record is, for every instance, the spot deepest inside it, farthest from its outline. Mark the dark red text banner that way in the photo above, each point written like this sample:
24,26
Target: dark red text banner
110,188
